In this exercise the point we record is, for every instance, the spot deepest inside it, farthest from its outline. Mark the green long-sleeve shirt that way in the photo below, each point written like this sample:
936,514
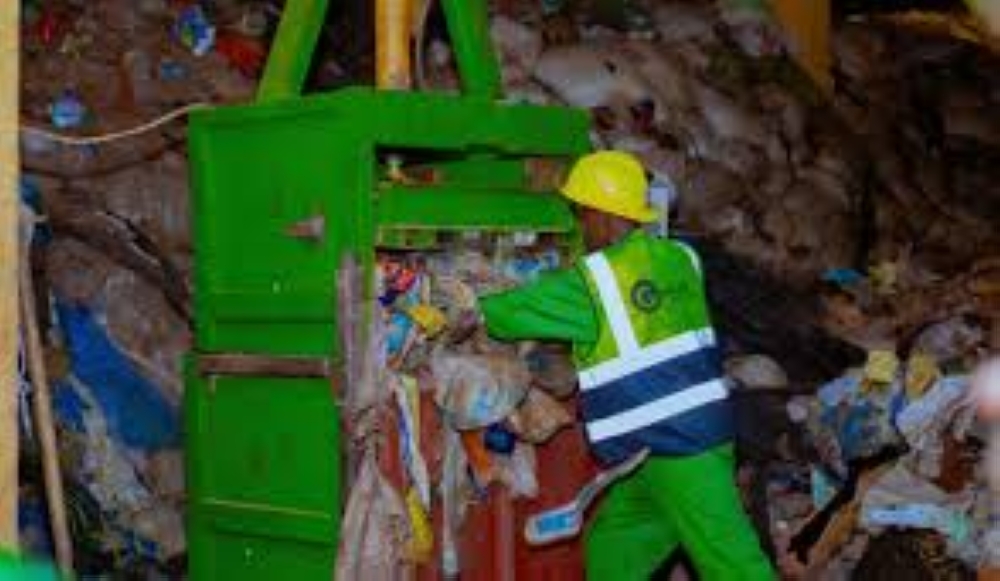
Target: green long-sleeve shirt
556,306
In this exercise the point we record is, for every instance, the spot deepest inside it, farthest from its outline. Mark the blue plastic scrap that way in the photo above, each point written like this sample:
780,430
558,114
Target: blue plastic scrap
68,111
69,407
861,422
137,413
194,30
499,440
843,276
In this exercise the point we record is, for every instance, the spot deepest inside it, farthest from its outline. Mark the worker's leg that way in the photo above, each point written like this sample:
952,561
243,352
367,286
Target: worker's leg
626,540
699,496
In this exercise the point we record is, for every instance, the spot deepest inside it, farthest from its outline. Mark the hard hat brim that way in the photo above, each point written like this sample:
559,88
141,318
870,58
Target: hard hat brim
645,215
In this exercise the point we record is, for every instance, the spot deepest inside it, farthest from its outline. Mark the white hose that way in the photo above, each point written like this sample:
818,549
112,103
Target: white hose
84,140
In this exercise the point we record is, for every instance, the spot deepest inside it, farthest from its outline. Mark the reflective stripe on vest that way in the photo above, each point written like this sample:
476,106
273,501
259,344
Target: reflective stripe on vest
658,410
632,358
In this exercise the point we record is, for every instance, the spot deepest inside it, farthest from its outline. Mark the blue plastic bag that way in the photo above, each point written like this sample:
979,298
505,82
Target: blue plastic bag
137,413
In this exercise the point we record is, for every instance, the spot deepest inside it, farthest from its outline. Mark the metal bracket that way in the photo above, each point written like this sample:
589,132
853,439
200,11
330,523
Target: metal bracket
247,365
311,229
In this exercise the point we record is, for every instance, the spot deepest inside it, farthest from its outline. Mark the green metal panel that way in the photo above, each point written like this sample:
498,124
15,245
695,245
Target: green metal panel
478,67
263,477
258,288
419,120
258,170
448,209
292,51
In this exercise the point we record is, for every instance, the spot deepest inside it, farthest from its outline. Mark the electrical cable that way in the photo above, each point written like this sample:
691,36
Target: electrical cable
84,140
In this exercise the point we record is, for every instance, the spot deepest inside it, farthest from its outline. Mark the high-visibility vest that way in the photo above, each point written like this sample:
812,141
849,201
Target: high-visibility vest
653,379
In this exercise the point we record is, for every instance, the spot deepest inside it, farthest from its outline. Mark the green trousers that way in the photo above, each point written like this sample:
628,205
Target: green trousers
689,501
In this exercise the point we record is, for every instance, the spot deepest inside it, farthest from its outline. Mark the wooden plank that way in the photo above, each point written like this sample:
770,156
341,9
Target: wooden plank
9,164
44,424
807,24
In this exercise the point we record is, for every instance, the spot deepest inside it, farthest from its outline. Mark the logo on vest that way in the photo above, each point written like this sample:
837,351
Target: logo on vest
645,296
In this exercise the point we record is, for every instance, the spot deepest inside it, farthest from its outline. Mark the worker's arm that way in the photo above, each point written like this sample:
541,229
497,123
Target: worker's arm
557,306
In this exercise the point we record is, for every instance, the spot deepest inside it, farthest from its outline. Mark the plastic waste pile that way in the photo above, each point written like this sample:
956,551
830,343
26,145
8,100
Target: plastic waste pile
895,446
112,274
119,435
884,198
119,446
761,160
460,414
119,210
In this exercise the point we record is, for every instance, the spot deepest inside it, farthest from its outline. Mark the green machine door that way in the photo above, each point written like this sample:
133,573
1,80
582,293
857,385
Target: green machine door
262,427
265,479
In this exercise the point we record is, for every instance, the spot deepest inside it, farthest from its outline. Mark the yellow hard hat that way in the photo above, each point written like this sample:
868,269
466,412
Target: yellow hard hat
612,182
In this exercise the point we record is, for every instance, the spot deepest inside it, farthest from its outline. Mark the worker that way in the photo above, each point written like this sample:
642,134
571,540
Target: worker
650,378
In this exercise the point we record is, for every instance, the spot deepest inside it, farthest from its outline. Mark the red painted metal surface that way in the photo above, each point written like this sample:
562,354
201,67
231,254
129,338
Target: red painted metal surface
491,541
564,465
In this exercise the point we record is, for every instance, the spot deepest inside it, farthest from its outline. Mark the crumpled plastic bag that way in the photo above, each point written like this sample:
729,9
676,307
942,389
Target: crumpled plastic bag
756,372
860,422
539,417
519,47
881,368
113,477
752,27
922,372
899,498
455,295
923,423
948,340
933,410
375,530
475,391
519,471
407,397
365,349
455,497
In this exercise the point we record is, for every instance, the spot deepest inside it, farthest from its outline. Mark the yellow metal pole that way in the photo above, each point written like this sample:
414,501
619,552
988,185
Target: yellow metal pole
393,22
807,24
9,165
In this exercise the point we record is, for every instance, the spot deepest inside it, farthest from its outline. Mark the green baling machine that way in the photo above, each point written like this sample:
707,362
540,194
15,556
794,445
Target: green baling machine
284,188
